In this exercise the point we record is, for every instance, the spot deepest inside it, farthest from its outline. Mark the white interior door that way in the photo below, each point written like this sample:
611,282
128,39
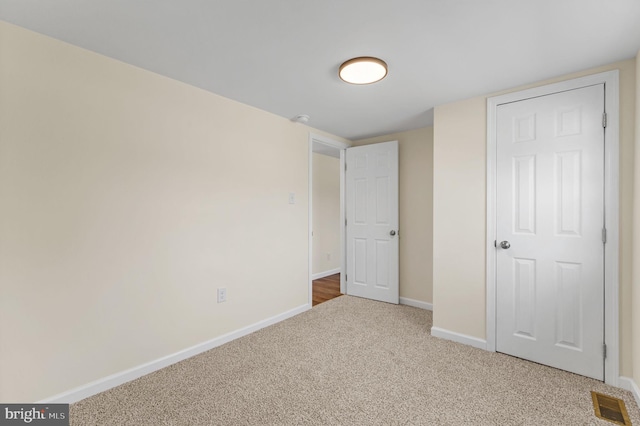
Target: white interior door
372,221
550,218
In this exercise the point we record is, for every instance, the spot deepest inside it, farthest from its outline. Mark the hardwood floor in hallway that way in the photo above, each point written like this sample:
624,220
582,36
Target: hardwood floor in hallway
326,288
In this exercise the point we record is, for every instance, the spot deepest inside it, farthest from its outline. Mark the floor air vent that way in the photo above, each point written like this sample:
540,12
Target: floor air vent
610,408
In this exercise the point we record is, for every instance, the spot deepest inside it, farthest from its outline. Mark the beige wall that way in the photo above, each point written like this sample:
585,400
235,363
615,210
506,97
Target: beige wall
459,215
326,213
126,200
635,304
459,156
416,207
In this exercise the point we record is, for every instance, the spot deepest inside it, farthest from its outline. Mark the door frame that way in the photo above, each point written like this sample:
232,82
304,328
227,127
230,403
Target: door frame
342,146
610,79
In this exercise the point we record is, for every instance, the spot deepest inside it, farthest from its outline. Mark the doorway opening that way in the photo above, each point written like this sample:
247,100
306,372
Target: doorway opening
326,219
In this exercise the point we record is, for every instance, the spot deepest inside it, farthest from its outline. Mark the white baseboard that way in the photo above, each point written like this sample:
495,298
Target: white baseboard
416,303
325,274
459,338
629,384
117,379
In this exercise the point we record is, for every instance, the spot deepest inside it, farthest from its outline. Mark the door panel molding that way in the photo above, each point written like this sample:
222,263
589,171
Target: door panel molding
611,201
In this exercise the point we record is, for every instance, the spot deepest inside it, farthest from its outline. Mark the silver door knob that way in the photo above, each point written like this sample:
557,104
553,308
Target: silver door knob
392,233
505,244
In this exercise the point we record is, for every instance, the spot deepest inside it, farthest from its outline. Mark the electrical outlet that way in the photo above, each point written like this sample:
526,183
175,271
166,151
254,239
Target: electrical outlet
222,295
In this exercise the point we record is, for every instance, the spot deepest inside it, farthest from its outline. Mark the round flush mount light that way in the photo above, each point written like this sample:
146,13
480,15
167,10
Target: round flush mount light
363,70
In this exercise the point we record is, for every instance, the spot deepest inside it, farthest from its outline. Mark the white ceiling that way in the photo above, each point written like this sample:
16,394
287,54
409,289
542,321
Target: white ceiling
283,55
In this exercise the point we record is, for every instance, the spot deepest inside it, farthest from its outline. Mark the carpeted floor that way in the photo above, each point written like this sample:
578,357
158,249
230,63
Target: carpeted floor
350,361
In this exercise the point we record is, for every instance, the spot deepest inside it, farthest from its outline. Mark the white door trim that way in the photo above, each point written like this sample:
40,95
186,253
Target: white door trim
343,241
612,210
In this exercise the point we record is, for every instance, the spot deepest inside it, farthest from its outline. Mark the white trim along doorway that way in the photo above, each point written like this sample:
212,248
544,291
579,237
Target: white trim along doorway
611,203
318,142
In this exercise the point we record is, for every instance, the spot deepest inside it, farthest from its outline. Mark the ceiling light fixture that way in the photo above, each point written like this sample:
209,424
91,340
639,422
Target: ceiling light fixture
363,70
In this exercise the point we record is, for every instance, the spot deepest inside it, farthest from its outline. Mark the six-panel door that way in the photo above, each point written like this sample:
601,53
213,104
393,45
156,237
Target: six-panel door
550,209
372,221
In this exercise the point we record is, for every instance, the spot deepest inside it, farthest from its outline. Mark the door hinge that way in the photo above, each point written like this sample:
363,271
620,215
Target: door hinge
604,119
495,243
345,221
604,235
345,166
604,350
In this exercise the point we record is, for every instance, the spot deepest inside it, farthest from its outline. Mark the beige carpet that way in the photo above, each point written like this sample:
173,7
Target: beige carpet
350,361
